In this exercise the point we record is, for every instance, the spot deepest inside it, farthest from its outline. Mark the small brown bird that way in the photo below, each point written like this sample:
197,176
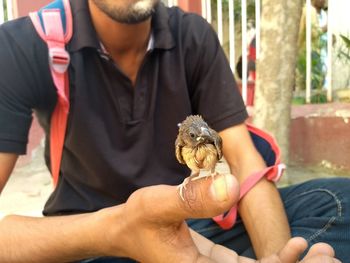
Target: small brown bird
198,146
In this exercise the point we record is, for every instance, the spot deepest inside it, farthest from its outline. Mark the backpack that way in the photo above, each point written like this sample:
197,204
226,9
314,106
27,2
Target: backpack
54,25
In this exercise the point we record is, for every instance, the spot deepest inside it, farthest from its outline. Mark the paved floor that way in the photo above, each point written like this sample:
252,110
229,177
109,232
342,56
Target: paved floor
28,188
30,185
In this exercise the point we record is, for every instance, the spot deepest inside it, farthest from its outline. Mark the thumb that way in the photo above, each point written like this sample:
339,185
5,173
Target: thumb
203,198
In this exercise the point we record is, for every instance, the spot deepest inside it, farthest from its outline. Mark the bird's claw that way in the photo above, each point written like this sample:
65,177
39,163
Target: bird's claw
193,177
182,186
213,174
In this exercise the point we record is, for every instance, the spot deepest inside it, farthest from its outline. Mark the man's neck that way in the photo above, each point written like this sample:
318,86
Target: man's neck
119,38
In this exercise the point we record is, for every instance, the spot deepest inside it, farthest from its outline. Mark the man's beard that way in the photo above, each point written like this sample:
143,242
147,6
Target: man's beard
133,13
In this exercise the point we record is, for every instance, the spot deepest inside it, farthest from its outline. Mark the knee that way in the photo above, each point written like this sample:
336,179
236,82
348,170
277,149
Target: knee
338,186
319,198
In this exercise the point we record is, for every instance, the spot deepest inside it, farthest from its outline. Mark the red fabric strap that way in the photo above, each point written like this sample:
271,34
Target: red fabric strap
59,61
272,173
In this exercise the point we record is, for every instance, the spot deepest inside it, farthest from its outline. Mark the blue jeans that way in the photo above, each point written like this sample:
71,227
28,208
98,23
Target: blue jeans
318,210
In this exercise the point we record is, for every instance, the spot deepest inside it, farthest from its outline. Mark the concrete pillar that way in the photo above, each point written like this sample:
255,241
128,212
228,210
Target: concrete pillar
193,6
23,7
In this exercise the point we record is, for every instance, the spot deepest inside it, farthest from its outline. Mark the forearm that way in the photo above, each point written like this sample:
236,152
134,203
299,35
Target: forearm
261,209
264,218
262,212
50,239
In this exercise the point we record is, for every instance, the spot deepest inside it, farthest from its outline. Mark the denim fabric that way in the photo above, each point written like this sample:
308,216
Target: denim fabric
317,210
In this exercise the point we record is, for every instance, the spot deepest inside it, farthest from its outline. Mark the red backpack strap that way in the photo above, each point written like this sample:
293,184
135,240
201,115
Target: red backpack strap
272,173
49,25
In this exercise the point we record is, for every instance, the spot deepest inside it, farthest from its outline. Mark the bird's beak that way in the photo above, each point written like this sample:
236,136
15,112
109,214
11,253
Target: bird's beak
205,133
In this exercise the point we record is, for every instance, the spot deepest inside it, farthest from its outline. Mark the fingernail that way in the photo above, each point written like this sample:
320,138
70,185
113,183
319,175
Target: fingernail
221,187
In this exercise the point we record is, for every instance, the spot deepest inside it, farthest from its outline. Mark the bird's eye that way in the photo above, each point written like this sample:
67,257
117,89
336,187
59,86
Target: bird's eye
192,135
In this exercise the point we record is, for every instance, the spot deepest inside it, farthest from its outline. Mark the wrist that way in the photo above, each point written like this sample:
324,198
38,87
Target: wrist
107,232
82,236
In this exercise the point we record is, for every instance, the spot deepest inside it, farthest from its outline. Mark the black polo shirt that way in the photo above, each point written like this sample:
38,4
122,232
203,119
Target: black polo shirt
119,137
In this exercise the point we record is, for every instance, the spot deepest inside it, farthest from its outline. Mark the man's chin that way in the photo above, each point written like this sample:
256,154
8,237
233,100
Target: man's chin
132,20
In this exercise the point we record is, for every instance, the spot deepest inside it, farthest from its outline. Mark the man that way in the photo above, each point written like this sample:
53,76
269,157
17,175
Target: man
137,69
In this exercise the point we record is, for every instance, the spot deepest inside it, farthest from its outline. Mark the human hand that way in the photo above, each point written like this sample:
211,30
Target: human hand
318,253
150,226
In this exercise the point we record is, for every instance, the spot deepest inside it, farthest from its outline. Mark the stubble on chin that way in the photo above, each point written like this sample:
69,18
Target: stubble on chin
133,13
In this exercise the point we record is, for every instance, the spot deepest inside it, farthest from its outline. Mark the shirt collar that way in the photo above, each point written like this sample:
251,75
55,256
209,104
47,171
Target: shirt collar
84,34
163,36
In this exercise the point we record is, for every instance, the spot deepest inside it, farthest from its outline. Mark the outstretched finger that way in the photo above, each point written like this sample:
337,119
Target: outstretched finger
292,250
213,251
321,249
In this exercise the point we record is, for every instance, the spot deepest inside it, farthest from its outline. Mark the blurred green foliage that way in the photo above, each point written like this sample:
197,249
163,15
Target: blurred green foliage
344,51
298,100
317,64
319,97
237,9
4,7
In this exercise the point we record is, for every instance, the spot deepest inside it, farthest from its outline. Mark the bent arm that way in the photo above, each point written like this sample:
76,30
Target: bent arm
54,239
143,228
7,163
261,209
